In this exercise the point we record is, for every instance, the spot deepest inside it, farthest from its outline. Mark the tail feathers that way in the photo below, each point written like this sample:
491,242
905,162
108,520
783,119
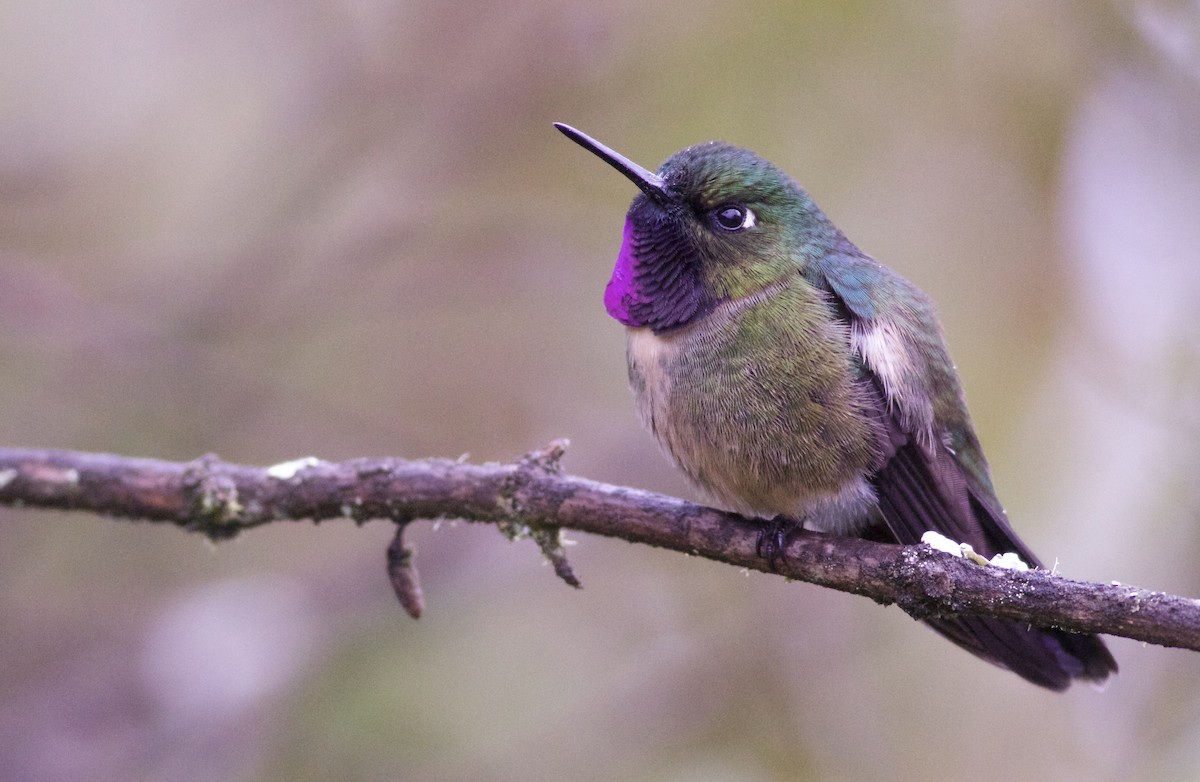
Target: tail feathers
921,491
1048,658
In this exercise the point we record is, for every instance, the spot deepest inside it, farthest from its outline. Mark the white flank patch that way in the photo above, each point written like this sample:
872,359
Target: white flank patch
882,347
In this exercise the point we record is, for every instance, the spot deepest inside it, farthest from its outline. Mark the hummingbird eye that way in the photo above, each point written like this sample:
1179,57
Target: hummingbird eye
733,218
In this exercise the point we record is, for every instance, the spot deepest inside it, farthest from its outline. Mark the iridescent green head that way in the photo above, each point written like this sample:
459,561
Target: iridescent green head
714,222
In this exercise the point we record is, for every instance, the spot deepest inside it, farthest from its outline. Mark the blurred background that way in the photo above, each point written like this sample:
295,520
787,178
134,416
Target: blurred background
273,229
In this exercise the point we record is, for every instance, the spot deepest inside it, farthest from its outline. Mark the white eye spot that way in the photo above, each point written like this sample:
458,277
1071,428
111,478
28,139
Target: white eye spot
733,218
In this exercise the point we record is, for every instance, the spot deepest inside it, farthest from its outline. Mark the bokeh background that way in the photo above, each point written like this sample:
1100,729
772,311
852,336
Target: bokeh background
272,229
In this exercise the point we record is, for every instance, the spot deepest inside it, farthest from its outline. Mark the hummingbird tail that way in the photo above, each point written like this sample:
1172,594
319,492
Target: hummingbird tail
921,491
1048,658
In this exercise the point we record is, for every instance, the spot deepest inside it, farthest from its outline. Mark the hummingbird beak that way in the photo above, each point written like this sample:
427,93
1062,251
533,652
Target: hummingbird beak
650,183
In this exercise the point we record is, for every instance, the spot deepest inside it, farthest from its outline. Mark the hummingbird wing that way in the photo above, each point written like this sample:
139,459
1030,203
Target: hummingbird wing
931,474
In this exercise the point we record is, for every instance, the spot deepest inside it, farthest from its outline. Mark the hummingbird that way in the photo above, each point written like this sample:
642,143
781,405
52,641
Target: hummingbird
797,381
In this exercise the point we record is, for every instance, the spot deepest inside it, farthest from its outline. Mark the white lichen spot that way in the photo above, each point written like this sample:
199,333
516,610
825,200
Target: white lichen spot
970,553
1009,560
7,476
940,542
50,474
287,470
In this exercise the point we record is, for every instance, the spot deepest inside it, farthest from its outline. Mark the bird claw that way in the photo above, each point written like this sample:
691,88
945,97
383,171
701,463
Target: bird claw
772,540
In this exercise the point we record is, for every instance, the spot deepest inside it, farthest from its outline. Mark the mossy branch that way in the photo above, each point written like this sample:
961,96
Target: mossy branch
533,498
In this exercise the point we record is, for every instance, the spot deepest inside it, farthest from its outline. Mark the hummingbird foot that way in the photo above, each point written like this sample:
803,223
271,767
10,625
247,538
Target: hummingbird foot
773,539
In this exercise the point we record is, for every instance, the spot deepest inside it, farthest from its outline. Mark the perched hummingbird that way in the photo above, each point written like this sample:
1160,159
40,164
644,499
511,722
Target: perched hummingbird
796,380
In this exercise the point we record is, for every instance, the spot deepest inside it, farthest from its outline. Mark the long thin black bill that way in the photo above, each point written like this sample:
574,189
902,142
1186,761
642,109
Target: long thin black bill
650,183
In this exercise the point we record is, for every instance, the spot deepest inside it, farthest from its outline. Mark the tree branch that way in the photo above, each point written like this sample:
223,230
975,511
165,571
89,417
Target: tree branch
532,498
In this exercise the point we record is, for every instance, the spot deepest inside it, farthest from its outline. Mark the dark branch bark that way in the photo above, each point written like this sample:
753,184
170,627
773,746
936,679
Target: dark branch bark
532,498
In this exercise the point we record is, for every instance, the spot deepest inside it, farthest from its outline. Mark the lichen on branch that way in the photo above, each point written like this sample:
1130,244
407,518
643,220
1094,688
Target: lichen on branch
534,497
